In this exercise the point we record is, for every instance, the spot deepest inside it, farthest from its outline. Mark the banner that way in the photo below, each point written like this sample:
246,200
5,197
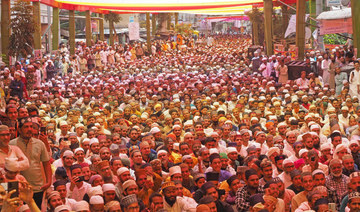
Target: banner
336,26
333,3
292,25
134,33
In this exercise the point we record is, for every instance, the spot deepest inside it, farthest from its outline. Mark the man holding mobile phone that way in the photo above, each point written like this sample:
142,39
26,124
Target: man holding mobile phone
77,188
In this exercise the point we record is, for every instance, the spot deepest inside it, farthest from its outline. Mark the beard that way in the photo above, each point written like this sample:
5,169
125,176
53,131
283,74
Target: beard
108,179
337,175
170,200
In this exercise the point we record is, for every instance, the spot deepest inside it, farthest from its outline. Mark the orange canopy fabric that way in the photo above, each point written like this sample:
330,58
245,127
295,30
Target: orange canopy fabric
153,6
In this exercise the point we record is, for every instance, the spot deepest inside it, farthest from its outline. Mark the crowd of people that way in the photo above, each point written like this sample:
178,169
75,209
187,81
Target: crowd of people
206,125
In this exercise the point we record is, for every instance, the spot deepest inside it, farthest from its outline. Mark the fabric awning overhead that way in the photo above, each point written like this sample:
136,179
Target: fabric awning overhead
154,6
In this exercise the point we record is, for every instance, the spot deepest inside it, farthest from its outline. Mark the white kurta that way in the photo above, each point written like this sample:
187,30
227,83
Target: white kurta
354,82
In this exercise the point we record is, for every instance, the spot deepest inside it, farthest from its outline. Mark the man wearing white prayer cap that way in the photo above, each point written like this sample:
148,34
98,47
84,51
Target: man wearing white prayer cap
109,192
175,173
62,208
82,206
53,200
96,203
123,174
288,167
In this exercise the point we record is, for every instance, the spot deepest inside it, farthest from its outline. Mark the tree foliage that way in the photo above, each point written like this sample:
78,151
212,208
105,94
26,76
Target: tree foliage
22,26
334,39
112,17
184,29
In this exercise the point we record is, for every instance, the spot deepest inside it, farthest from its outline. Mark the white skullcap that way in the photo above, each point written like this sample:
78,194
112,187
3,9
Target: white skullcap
86,140
272,150
272,118
128,183
281,124
344,108
12,164
96,200
354,142
155,130
108,187
339,148
63,123
208,132
79,125
318,171
188,123
97,114
174,170
307,116
314,126
162,151
176,146
93,191
188,133
68,153
62,208
254,119
286,161
185,157
81,206
121,170
93,141
325,146
78,149
213,150
230,150
257,145
214,133
302,151
176,126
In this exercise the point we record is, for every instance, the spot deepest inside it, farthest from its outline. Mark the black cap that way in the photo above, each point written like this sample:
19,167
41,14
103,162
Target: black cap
59,183
61,171
206,186
214,156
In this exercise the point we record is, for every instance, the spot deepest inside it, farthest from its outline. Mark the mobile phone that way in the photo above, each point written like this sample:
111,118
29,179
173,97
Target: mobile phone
9,186
221,192
81,178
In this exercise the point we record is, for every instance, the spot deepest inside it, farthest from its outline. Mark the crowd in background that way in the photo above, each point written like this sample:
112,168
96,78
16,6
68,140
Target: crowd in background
188,125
